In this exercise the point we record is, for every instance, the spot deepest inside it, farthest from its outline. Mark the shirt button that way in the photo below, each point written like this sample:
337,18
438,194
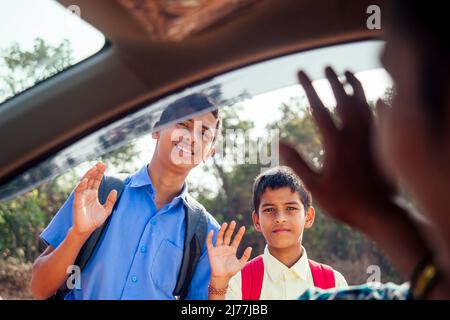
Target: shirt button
134,279
143,249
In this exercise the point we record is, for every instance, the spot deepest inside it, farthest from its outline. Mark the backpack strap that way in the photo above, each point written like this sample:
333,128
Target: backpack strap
196,223
323,275
107,184
252,279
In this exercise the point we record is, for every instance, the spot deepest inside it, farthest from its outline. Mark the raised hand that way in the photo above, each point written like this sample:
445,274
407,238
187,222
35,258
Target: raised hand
88,213
350,183
222,257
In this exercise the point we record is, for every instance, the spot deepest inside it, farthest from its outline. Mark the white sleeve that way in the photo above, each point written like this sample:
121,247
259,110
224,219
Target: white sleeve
339,280
234,291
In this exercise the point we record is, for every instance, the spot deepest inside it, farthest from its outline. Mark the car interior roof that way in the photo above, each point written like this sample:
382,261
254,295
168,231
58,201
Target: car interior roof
133,69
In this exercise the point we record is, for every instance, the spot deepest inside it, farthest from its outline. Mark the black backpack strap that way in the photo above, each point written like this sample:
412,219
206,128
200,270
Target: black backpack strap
195,237
108,184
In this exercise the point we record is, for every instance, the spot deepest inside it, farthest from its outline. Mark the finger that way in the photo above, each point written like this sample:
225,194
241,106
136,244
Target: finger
311,93
209,244
343,107
78,191
81,186
247,253
237,239
110,201
381,108
93,175
229,233
358,92
321,115
219,239
89,172
336,86
293,159
97,179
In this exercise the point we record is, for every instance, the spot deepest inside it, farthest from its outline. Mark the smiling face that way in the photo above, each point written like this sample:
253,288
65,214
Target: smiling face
281,218
186,144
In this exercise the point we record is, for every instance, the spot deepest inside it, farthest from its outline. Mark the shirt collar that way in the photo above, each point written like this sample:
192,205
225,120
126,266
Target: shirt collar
276,269
182,195
141,178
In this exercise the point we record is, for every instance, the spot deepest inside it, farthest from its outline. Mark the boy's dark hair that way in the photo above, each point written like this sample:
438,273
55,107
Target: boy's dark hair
276,178
188,105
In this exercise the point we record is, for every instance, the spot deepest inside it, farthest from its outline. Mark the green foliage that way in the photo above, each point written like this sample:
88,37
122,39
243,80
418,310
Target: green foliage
23,218
21,69
233,202
327,241
121,159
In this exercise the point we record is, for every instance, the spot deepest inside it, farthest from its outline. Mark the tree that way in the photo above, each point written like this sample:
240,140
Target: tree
233,201
21,69
22,219
328,241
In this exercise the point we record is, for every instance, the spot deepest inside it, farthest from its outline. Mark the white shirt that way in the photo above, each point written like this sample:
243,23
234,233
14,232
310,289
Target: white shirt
281,282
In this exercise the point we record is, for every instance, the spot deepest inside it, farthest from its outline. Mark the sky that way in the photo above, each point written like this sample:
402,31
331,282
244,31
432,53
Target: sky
22,21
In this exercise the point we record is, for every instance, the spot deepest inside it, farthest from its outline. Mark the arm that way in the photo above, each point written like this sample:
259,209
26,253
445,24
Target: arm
223,260
397,236
350,186
50,268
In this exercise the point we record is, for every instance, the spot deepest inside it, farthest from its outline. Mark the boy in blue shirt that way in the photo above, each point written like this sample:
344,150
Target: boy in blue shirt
141,251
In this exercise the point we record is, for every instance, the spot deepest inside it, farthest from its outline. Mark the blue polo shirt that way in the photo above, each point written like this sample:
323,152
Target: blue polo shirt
139,256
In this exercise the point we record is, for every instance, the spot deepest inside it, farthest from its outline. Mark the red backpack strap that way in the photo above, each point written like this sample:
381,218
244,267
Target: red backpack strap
252,279
323,275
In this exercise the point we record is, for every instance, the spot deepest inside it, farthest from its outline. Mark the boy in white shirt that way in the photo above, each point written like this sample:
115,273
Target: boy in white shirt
282,209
